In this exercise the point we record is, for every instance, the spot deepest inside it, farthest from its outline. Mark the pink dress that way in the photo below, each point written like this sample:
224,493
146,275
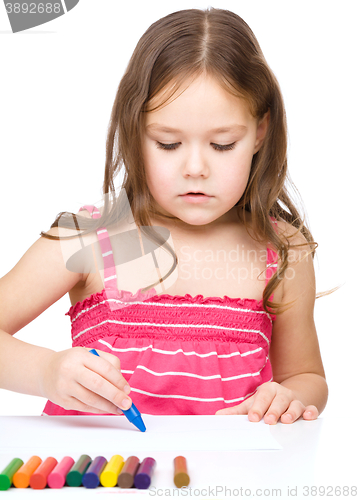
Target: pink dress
181,355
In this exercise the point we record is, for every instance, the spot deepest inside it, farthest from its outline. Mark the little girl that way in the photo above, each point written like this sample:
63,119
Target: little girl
224,324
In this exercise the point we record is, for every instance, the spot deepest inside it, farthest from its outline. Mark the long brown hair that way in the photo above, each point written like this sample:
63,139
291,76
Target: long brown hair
173,51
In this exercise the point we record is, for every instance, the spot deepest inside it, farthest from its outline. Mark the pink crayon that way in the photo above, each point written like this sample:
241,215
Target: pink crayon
57,477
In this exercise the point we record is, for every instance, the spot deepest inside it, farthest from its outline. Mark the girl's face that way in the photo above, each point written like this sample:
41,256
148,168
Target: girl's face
203,141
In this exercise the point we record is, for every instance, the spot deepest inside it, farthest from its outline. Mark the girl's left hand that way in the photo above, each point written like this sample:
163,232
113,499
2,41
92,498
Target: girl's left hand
274,402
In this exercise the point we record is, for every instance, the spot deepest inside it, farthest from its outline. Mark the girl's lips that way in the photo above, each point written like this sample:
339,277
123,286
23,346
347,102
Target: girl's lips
195,198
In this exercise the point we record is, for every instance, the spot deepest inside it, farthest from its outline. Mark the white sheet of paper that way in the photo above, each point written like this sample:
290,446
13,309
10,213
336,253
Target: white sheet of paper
164,433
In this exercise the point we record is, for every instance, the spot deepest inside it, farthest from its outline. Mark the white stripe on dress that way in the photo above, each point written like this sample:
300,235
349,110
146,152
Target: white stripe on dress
242,354
159,351
201,377
191,398
177,351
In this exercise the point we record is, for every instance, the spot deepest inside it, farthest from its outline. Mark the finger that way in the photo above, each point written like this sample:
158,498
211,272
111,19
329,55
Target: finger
310,413
233,410
117,365
277,408
294,411
88,402
94,400
104,380
262,400
114,360
241,409
99,386
108,366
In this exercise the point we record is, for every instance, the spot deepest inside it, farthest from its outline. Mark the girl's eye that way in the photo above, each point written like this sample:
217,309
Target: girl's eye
225,147
167,147
217,147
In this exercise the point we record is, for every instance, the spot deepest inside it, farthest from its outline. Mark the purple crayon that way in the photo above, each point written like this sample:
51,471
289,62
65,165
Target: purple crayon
91,478
144,473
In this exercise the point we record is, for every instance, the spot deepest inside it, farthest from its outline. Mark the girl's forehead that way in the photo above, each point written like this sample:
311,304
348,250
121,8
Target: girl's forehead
202,94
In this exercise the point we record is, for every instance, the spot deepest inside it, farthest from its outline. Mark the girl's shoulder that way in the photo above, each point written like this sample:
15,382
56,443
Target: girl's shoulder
293,238
76,253
288,234
74,245
299,276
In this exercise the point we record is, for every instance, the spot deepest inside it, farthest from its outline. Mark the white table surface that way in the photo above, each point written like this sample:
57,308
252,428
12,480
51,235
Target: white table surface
321,454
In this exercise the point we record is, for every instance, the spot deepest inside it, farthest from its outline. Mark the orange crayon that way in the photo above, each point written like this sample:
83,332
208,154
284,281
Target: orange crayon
21,478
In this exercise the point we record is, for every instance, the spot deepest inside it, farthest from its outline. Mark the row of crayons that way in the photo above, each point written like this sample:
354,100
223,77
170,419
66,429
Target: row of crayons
87,472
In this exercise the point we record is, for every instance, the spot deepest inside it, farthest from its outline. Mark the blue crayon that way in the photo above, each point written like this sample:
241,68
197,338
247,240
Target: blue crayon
91,478
132,414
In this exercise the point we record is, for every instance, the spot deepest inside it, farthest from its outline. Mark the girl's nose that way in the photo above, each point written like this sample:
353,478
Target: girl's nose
195,164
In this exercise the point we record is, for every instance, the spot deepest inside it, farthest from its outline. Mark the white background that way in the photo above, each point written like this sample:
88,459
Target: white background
58,82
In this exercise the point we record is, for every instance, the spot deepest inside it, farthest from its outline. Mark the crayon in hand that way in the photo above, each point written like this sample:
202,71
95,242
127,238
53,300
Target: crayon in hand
132,414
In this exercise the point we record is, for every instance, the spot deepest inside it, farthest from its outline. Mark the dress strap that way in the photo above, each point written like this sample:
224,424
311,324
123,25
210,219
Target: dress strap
110,277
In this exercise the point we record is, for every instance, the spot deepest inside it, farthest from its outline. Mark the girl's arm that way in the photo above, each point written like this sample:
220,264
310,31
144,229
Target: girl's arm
299,387
74,378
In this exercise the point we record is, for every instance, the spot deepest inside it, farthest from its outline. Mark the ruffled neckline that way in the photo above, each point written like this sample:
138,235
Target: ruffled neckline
128,296
203,300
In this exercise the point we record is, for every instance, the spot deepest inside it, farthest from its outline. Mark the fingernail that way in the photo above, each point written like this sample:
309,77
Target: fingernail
288,416
308,414
270,419
127,389
255,417
126,403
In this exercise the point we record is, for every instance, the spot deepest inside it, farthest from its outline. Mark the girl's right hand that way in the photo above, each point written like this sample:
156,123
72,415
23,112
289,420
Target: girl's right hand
75,379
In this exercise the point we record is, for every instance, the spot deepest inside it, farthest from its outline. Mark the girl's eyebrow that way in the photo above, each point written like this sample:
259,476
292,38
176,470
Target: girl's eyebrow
168,130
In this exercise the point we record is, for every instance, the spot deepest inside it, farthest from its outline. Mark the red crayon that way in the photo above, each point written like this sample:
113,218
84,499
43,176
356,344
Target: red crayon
38,479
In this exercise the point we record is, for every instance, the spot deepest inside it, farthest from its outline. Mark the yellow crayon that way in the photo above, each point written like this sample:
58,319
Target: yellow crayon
111,472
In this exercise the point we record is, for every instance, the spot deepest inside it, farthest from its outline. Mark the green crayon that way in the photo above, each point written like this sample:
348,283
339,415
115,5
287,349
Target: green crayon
7,474
74,476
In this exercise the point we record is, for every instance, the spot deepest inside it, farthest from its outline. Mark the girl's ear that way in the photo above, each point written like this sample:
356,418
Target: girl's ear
262,128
